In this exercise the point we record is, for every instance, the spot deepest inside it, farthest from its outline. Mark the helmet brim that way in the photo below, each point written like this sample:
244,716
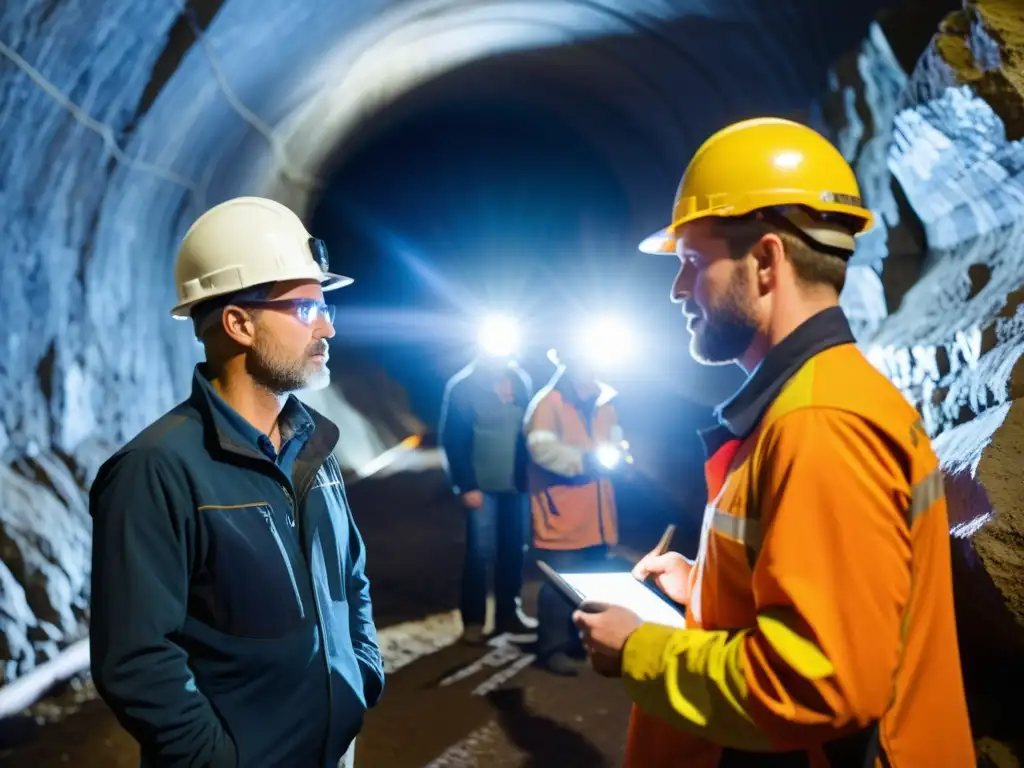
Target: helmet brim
332,281
661,243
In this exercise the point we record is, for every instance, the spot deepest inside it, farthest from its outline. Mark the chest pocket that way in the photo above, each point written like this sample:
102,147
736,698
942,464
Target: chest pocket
254,588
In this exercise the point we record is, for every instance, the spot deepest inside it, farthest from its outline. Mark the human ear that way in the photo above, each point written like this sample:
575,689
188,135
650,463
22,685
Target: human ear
768,253
239,325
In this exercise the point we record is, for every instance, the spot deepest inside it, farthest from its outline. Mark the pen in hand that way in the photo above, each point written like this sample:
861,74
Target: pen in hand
663,544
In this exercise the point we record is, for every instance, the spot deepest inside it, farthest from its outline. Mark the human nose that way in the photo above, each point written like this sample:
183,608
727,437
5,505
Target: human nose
326,318
682,286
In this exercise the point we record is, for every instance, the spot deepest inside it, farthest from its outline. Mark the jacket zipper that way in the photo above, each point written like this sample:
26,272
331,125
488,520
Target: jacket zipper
268,515
320,625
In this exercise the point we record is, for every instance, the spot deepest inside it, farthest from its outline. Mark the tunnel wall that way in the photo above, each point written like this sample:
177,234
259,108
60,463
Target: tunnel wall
92,207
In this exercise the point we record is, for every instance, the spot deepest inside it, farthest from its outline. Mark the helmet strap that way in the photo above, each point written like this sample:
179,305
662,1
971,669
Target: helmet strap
834,237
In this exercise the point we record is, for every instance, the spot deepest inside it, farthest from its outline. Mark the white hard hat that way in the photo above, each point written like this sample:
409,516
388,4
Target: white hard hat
245,242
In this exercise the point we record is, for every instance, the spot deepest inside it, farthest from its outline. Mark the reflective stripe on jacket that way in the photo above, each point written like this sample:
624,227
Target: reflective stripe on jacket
570,508
821,625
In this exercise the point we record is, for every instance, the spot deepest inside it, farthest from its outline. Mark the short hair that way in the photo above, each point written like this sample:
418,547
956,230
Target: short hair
812,265
204,313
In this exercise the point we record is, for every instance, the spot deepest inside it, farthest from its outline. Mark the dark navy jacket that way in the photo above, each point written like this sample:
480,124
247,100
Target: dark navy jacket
482,438
231,618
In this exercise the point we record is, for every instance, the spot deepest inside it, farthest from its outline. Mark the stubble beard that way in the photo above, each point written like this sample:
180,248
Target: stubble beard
273,369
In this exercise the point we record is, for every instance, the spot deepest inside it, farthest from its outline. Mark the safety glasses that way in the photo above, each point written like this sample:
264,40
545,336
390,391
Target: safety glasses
308,311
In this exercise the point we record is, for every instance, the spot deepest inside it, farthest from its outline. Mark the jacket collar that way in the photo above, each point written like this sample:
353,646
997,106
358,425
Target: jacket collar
233,434
740,414
484,376
563,384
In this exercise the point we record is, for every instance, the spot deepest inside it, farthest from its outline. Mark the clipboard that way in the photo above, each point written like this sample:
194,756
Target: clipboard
616,588
568,593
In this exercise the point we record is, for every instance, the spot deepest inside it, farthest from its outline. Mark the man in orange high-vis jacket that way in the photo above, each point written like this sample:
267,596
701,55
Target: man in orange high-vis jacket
820,626
568,426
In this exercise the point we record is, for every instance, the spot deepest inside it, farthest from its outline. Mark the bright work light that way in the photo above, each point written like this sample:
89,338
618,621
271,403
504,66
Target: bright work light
606,342
612,456
499,336
608,455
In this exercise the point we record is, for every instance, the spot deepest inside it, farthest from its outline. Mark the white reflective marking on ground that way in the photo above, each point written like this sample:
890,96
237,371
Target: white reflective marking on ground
503,652
464,753
25,691
402,644
498,679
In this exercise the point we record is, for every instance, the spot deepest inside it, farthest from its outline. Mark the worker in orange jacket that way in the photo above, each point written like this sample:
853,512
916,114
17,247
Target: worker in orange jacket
820,626
575,443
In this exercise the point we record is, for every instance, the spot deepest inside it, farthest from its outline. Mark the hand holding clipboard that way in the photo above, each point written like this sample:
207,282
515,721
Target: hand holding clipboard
592,592
620,605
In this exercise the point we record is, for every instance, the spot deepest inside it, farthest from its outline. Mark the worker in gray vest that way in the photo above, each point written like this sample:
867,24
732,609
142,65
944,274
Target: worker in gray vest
485,459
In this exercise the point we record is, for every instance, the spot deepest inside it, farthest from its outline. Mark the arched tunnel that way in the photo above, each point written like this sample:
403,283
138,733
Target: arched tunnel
460,158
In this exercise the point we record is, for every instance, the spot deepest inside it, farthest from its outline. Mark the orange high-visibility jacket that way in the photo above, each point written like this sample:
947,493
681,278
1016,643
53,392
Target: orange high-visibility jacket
570,509
821,624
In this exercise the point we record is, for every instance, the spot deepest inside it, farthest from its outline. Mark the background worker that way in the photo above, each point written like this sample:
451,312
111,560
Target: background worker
231,614
820,609
485,458
574,437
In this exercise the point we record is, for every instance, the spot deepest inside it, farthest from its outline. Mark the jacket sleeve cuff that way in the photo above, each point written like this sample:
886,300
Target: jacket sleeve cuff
373,681
642,657
694,680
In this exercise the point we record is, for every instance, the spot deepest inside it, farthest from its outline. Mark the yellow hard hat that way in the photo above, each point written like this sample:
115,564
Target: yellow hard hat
762,163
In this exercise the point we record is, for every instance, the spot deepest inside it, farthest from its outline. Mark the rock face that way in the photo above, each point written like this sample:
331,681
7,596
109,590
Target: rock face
952,335
865,88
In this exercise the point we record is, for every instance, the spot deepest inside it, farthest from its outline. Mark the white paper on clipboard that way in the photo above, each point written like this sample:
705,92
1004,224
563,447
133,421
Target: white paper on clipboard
620,588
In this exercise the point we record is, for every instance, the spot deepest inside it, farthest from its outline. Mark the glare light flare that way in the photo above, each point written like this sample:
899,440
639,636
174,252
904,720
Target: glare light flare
607,342
610,455
499,336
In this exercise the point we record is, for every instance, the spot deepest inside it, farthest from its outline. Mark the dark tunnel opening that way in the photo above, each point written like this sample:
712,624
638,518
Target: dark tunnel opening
522,183
495,205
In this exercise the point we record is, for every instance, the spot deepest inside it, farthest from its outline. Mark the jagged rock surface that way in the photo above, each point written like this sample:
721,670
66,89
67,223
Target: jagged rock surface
865,88
45,548
953,342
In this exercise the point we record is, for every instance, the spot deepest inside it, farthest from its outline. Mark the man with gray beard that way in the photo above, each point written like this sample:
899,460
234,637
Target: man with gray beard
231,615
